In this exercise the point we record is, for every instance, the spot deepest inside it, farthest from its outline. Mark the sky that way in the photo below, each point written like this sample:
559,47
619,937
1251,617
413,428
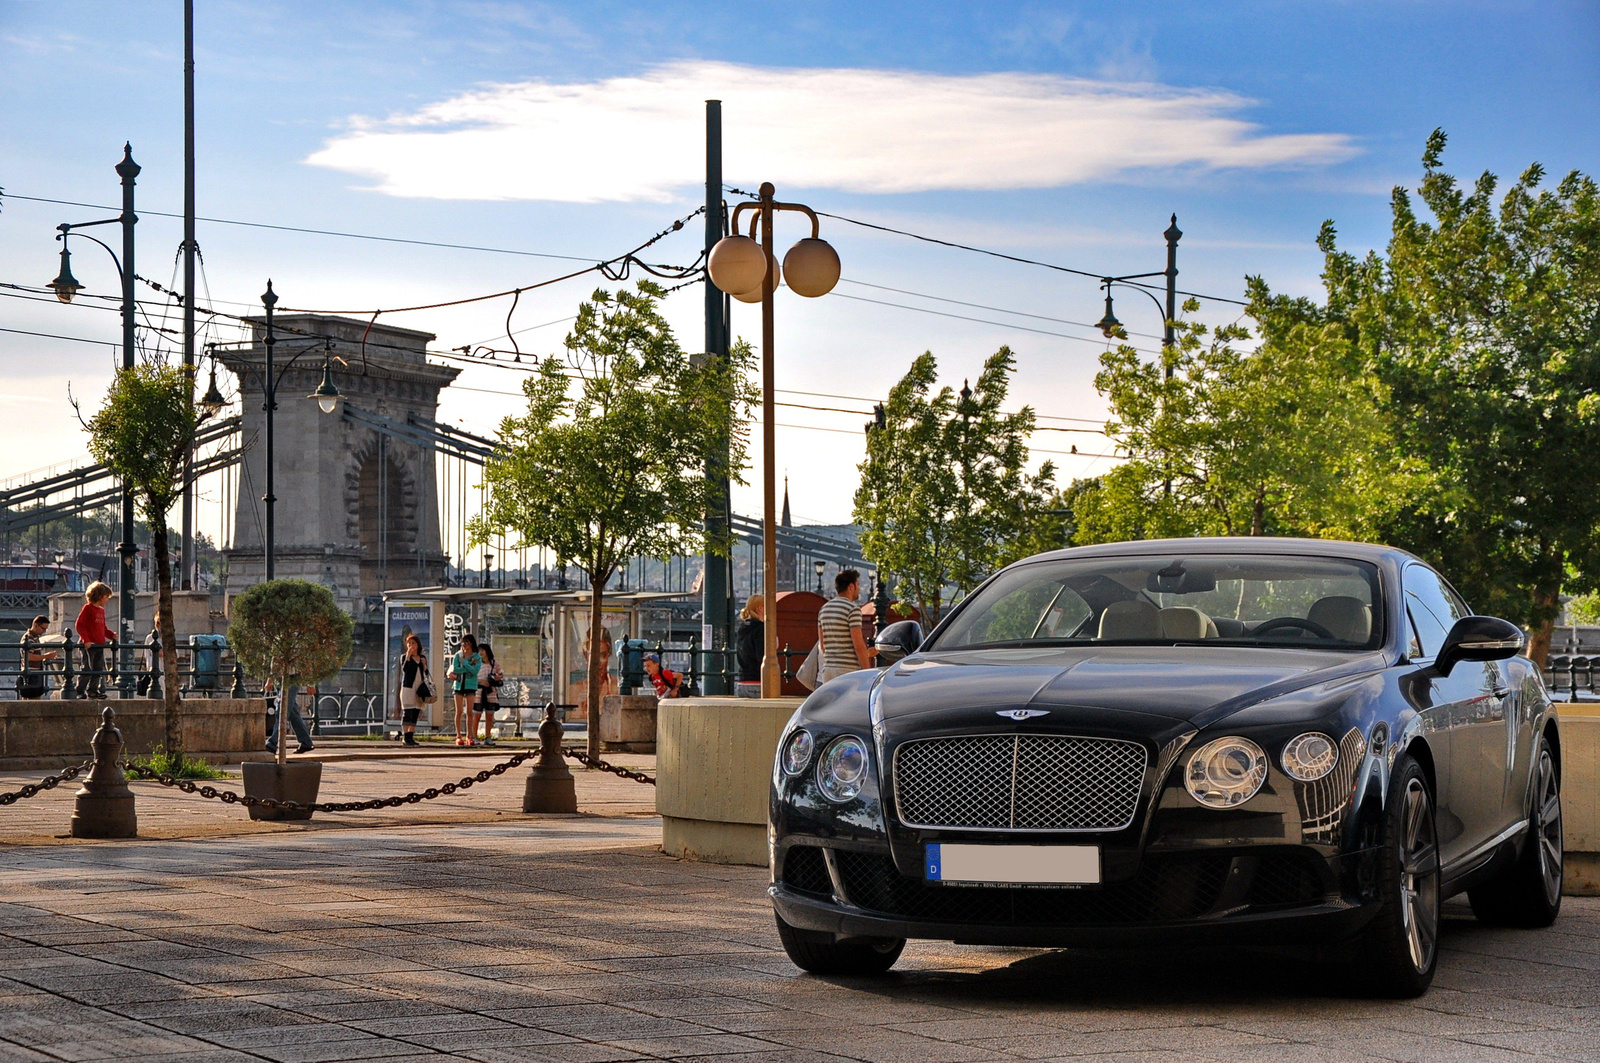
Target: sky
1067,133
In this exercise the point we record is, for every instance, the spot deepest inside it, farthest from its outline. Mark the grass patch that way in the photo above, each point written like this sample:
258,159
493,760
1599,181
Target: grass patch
178,766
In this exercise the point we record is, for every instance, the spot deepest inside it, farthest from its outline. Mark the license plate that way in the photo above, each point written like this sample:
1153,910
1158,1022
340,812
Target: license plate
1013,865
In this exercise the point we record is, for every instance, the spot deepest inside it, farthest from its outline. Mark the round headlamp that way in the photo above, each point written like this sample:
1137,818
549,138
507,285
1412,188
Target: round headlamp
1226,772
1309,757
797,752
842,768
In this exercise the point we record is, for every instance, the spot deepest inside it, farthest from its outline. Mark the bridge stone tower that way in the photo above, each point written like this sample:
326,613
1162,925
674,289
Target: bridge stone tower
357,510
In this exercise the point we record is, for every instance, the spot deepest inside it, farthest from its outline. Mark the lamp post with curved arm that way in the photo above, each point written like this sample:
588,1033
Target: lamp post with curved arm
749,272
66,286
326,396
1111,328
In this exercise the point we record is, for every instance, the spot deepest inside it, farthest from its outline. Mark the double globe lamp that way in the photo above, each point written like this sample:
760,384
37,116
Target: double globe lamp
748,271
738,266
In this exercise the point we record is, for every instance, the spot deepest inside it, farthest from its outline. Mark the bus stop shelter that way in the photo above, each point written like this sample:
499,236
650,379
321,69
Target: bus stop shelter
540,639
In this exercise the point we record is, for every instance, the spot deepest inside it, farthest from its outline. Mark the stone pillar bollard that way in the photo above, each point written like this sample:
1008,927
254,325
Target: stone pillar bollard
104,808
550,785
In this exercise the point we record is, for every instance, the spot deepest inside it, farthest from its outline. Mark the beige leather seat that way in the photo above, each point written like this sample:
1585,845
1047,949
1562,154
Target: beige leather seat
1186,622
1347,619
1130,620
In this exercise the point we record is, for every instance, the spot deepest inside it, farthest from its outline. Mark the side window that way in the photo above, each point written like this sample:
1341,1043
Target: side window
1433,609
1415,647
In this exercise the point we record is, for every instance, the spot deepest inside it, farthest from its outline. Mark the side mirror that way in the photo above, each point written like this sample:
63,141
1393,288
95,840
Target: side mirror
899,640
1479,638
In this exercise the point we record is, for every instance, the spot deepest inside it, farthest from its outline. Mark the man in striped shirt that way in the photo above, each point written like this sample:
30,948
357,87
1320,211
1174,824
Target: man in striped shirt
844,648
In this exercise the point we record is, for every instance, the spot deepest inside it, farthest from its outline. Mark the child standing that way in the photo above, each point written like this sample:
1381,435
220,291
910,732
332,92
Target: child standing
91,628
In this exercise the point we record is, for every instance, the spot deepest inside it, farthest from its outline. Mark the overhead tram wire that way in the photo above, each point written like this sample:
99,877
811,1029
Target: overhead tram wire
997,254
320,232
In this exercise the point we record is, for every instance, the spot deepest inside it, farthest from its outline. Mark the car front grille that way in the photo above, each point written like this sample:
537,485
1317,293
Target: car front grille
1018,782
1168,888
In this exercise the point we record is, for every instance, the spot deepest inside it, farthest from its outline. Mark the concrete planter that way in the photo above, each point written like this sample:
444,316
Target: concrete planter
296,781
628,723
713,766
51,733
1580,797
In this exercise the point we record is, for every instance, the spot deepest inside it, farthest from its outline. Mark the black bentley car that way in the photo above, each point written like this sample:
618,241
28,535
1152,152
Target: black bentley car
1227,741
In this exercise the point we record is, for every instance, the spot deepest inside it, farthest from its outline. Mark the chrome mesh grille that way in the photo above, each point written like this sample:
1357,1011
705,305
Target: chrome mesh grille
1018,782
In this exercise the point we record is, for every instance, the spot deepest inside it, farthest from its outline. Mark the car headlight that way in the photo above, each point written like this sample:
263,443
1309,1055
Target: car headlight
1226,772
797,752
842,768
1309,757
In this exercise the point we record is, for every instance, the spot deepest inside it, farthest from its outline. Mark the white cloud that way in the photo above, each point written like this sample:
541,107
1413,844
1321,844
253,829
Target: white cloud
872,131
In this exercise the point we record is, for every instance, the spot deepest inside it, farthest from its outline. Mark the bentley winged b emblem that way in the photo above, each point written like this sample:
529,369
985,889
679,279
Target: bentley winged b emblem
1022,714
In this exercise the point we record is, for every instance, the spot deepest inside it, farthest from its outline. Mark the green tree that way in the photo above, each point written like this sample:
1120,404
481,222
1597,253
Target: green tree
291,631
1483,323
143,433
945,495
1287,439
608,462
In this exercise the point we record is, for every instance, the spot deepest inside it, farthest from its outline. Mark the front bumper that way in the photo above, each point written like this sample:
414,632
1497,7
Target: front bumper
1265,895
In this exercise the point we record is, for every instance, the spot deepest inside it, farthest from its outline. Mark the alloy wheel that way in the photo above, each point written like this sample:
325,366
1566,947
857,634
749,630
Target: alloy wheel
1419,874
1547,826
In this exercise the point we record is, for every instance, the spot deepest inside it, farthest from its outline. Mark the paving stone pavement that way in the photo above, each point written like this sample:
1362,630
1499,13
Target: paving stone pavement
574,940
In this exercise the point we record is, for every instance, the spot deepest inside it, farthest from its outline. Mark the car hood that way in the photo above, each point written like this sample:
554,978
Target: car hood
1192,683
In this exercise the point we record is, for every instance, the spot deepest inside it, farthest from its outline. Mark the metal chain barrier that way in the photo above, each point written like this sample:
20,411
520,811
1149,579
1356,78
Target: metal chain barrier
595,762
232,797
34,789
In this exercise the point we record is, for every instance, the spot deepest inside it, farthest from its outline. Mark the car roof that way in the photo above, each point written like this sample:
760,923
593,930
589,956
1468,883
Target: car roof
1236,544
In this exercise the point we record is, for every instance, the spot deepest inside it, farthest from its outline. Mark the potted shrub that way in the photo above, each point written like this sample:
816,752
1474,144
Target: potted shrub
293,633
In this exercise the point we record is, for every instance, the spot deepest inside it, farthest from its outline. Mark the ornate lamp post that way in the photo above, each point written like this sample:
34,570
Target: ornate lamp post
819,566
1111,328
66,286
749,272
326,396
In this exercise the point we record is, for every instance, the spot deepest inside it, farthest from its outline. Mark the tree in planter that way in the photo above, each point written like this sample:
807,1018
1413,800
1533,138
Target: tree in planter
144,433
945,495
608,463
292,632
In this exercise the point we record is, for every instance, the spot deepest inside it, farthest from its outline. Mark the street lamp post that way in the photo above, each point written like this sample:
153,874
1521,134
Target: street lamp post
66,286
819,566
326,396
488,561
1111,328
748,271
880,604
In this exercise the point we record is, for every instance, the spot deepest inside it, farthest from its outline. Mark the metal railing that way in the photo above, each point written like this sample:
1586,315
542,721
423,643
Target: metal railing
75,670
697,665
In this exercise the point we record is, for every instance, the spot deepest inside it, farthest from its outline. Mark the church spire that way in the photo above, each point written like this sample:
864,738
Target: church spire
786,523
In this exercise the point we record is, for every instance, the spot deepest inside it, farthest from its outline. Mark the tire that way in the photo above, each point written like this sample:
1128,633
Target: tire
822,953
1528,894
1398,951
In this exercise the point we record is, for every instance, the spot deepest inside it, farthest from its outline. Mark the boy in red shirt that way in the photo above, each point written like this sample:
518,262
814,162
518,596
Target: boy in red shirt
91,629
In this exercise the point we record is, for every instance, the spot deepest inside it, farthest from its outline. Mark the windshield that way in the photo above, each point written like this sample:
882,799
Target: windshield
1223,599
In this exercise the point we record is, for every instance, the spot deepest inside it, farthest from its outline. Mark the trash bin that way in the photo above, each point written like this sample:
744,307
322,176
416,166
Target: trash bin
630,664
205,653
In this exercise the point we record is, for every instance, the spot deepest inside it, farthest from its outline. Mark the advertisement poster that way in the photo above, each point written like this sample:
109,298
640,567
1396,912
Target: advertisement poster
575,670
404,618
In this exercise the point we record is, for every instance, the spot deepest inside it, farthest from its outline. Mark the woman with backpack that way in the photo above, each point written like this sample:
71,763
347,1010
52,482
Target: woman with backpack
464,665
